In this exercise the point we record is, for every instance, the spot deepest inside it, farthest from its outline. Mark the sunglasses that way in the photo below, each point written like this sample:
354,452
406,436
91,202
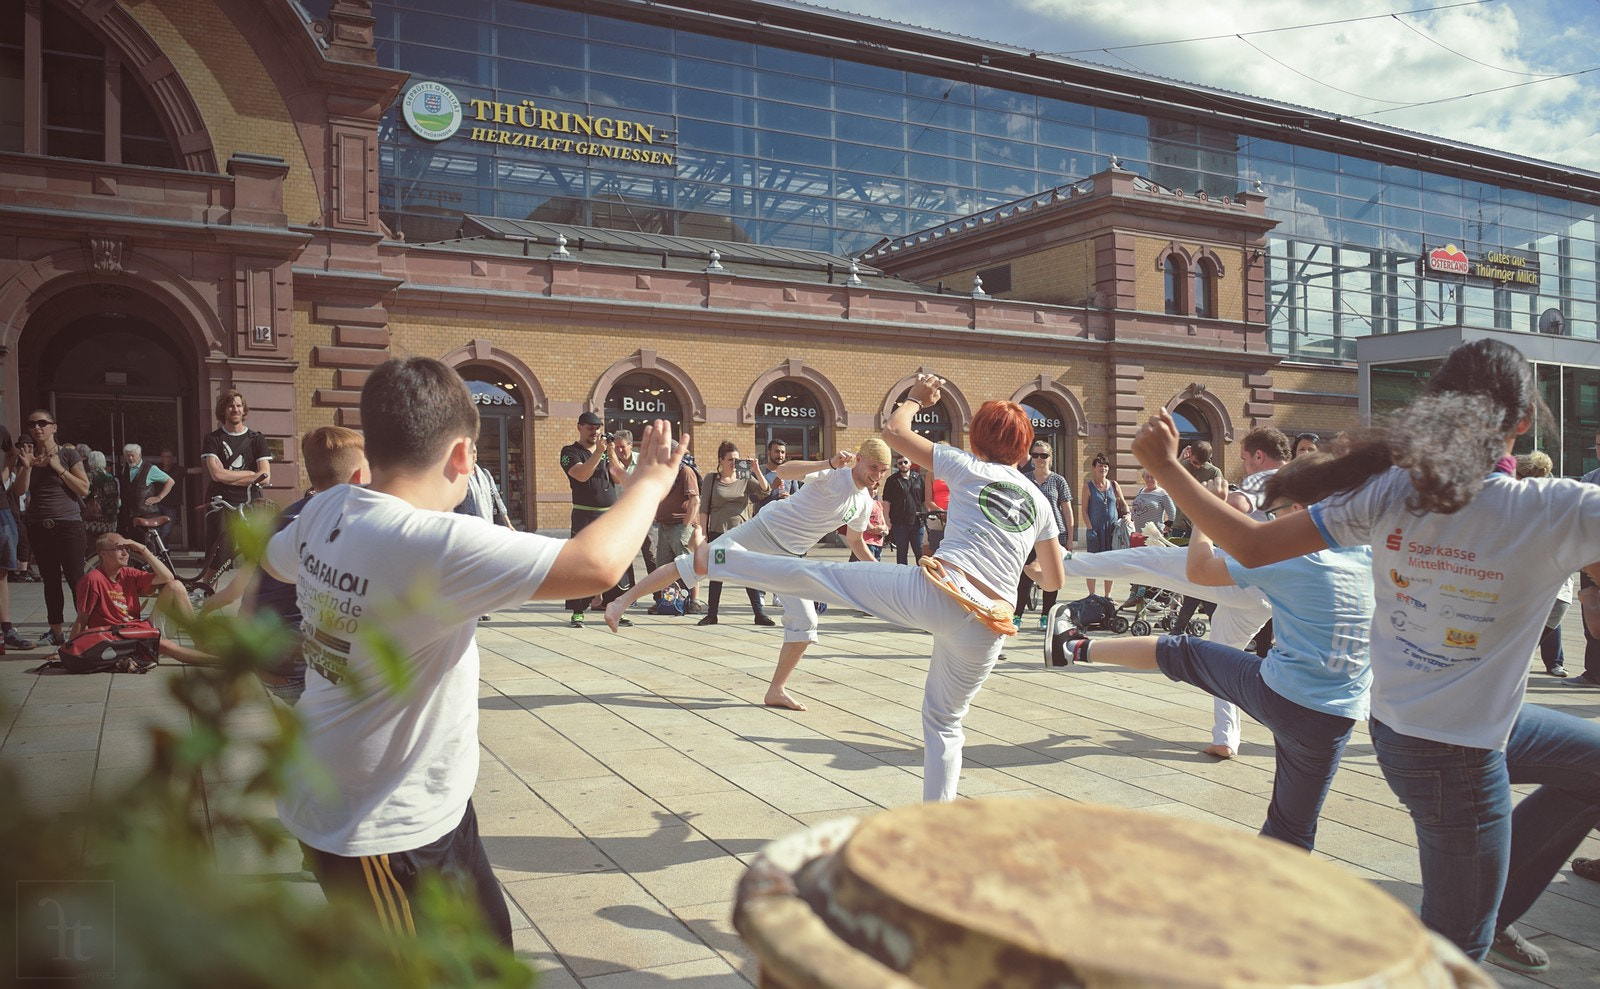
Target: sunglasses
1040,456
39,423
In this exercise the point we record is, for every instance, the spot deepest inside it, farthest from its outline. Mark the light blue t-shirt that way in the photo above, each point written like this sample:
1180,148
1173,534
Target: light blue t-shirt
1321,620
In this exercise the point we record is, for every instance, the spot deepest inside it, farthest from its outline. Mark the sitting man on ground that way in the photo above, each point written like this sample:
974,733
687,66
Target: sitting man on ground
109,595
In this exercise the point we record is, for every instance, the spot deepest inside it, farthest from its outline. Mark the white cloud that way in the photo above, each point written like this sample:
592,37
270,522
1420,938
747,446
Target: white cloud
1357,68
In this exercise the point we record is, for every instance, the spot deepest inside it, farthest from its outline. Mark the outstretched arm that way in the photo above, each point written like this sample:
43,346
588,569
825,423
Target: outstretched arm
902,439
593,560
1252,543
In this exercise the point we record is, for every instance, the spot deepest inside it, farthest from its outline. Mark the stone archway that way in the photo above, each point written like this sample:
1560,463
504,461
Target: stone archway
694,406
960,408
797,369
1214,409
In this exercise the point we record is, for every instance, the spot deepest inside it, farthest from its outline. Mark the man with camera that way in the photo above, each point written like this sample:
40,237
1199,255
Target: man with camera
596,478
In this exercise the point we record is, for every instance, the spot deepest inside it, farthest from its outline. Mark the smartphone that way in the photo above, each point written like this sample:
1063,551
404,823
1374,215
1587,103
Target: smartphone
741,469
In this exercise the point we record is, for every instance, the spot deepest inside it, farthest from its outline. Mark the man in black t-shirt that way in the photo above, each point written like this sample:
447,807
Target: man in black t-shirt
904,493
234,457
596,480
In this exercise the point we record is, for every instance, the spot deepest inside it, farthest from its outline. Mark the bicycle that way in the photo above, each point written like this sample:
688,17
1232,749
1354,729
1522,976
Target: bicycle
220,555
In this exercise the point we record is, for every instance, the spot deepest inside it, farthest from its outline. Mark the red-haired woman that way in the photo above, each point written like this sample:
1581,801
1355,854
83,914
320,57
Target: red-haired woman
962,593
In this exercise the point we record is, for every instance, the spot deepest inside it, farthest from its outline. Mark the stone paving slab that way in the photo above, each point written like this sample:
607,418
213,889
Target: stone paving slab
627,780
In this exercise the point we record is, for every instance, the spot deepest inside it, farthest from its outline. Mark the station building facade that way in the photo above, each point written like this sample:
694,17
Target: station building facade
755,219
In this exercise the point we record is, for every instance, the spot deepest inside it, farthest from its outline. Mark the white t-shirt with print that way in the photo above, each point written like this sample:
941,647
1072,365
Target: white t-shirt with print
829,499
392,769
1462,598
996,515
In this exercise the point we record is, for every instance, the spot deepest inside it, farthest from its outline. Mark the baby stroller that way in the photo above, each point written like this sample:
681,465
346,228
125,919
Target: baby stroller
1151,608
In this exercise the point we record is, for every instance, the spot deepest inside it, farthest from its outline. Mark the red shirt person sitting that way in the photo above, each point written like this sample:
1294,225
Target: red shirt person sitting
111,593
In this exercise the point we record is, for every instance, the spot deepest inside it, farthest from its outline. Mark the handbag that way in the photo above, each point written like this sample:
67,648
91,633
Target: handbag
129,648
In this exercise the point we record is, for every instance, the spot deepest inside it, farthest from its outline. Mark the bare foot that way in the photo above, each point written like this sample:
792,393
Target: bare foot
781,698
702,559
1219,751
614,612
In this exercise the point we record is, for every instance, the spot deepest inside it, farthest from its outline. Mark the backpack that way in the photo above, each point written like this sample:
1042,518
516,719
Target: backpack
112,649
1093,611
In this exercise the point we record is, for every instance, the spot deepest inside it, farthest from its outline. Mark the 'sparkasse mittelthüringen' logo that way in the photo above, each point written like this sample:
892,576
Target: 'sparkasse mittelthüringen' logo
432,111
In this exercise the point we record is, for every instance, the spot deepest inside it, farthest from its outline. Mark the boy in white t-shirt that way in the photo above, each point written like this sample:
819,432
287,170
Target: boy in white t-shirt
838,491
388,571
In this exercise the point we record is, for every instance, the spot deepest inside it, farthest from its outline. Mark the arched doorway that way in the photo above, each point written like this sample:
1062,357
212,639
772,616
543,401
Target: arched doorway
639,398
113,378
502,428
1050,425
789,411
1193,425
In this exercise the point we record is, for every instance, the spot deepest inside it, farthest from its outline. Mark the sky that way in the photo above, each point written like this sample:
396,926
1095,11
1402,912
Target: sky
1401,53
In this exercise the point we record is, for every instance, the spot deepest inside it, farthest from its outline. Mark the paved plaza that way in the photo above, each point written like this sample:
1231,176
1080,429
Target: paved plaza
627,780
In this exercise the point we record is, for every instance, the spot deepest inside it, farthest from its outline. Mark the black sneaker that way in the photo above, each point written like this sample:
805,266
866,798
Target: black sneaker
14,640
1587,869
1581,680
53,639
1064,643
764,620
624,623
577,619
1511,950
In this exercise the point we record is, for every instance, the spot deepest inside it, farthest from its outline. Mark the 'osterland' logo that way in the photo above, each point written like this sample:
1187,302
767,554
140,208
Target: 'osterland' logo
1448,260
432,111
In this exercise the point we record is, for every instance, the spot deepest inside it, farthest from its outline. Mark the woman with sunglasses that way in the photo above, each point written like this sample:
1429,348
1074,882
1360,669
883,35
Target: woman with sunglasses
56,483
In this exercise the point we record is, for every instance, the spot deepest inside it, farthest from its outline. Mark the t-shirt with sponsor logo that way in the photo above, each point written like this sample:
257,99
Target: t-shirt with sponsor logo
828,500
996,515
1462,599
383,586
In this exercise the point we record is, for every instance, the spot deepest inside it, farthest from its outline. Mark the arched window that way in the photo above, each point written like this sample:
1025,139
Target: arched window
94,107
1192,423
1176,271
789,411
1205,289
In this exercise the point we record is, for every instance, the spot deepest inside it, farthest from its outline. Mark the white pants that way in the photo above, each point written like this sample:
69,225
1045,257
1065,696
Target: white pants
964,649
799,615
1241,611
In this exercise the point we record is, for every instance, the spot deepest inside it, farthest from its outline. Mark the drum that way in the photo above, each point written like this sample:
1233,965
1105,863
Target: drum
1021,893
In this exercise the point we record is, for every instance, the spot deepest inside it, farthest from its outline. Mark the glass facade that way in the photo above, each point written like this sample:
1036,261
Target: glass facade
730,138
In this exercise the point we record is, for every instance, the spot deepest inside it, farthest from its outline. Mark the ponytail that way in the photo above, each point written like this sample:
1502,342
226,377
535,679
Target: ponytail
1447,439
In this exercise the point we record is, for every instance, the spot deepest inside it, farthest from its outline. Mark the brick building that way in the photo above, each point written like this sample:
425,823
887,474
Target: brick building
277,196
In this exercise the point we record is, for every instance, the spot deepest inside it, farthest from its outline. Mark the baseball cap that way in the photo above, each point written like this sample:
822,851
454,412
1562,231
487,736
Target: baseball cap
590,419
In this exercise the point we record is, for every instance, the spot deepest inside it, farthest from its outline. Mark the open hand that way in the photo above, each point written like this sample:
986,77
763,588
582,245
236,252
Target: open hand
656,456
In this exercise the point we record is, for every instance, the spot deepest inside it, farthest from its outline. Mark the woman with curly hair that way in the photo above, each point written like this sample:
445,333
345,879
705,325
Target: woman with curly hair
962,593
1464,602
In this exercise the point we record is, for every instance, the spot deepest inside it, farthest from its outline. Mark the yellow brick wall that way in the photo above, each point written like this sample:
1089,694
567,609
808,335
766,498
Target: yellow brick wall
1150,287
723,369
1163,383
240,104
1062,276
307,379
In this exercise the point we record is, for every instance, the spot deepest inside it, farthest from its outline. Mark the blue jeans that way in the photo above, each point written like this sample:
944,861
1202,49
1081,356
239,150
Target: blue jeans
1309,743
903,537
1484,864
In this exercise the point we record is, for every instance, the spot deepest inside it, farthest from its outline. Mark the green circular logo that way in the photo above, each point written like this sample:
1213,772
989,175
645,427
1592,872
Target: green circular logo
1008,506
432,111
